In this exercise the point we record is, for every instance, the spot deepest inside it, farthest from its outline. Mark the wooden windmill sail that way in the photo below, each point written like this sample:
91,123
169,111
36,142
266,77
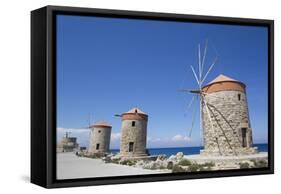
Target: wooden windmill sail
200,77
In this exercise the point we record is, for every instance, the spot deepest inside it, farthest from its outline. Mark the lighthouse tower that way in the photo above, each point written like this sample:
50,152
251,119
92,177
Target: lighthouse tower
133,133
226,122
100,138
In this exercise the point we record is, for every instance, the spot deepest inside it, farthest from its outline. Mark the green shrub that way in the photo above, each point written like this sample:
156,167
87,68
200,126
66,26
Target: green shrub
115,161
131,163
162,167
128,162
170,165
260,164
207,168
95,155
244,165
194,167
209,164
176,168
184,162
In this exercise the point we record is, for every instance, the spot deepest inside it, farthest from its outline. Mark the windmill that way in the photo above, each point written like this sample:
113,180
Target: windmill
200,78
99,136
224,116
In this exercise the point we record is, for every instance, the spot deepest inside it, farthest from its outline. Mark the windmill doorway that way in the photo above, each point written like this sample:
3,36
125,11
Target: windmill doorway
97,146
244,137
131,146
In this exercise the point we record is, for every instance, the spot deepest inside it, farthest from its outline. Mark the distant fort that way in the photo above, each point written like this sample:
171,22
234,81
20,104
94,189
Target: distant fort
68,144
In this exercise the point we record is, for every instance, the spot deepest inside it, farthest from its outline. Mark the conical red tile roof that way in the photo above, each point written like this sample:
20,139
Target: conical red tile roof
221,78
224,83
100,124
136,110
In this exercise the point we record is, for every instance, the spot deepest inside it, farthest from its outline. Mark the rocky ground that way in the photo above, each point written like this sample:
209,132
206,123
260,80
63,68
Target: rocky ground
181,163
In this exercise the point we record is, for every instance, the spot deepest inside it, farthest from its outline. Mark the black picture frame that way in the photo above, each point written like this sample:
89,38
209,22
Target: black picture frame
43,95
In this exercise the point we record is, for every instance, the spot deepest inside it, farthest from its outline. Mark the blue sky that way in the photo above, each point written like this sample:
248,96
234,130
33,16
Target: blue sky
107,66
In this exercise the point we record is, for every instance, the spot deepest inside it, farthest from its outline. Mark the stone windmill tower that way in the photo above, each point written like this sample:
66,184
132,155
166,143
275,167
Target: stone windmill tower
226,123
133,133
100,137
224,117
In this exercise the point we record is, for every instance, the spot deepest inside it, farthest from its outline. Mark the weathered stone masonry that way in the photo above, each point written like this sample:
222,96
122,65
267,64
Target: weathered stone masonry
230,131
133,133
100,138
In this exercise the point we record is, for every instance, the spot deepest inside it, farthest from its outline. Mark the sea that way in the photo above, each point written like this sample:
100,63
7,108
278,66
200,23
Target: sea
187,150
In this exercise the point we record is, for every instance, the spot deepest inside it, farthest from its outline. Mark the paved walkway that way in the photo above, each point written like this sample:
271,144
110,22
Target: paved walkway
69,166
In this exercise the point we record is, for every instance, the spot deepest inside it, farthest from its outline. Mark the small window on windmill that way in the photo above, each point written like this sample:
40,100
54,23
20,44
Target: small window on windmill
239,97
97,146
133,123
99,131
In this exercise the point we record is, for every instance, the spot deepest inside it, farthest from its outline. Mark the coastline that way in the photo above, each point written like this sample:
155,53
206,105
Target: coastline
192,150
71,166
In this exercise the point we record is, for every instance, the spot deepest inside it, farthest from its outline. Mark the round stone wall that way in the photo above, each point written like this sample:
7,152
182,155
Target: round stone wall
133,138
230,133
100,139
